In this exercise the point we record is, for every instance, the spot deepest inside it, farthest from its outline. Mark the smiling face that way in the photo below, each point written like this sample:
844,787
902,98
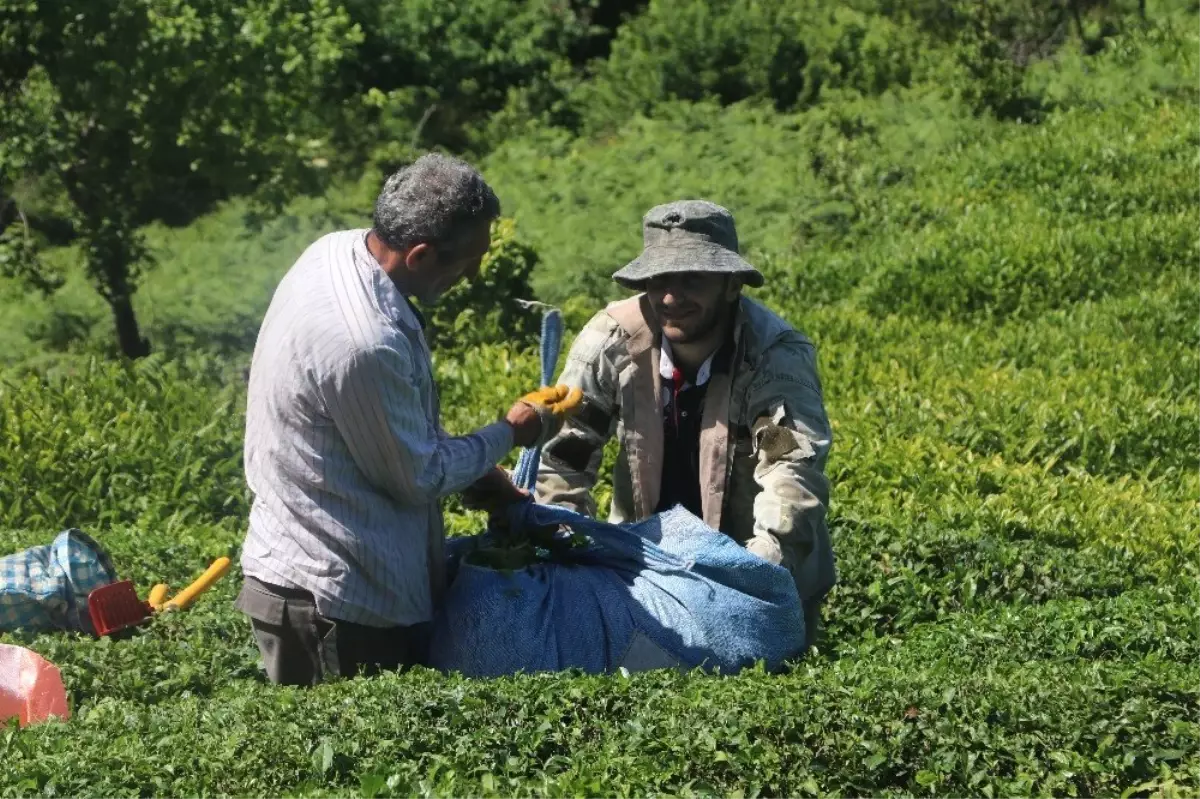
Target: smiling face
692,306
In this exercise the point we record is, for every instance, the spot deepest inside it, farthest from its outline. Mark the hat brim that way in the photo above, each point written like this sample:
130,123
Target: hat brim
698,258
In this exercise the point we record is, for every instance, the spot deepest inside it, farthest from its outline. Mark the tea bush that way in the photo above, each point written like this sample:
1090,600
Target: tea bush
486,309
110,443
1006,323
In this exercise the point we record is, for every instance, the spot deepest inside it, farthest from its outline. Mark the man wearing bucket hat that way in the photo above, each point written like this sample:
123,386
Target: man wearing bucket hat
715,400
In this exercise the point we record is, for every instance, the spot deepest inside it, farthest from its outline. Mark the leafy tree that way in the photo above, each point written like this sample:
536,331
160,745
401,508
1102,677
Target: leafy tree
782,52
433,70
136,109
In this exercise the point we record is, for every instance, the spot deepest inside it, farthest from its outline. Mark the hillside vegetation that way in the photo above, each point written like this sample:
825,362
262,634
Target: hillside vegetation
984,214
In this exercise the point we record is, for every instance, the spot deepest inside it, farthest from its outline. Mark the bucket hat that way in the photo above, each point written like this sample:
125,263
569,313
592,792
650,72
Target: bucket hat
687,236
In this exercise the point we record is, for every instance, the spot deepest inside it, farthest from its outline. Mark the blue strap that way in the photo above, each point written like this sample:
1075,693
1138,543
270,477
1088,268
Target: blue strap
525,475
616,543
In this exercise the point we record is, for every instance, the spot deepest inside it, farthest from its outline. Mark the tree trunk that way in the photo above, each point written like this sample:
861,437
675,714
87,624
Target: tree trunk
8,211
1078,17
128,334
114,252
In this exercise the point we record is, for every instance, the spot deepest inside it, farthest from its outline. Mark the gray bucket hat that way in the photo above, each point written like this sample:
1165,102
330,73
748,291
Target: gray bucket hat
687,236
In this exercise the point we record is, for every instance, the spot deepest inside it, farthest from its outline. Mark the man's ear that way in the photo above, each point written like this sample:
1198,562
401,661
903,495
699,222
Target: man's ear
419,254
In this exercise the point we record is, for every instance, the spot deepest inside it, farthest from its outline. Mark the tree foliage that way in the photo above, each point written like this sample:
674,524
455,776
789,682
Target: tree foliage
779,51
117,112
136,109
432,71
487,309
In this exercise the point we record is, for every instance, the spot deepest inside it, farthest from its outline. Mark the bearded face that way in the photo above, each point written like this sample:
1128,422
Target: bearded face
690,306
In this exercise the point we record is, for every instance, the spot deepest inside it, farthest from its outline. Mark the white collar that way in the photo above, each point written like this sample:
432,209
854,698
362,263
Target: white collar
392,304
666,366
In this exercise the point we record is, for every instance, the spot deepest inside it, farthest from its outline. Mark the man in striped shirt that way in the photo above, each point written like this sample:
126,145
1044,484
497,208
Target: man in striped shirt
344,451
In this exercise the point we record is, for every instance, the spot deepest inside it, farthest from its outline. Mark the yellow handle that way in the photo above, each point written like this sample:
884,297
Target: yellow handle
158,595
185,597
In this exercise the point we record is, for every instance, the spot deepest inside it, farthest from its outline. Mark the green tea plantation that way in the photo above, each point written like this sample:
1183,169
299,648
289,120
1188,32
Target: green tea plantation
1007,311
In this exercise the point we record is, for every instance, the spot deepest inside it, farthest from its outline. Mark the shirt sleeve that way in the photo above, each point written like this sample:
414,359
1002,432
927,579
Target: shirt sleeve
792,437
374,400
571,459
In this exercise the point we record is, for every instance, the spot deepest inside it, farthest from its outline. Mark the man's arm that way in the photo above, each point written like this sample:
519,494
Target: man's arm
571,459
493,493
374,400
792,438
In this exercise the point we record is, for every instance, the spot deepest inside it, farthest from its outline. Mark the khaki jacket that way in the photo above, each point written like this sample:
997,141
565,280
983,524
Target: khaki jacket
763,443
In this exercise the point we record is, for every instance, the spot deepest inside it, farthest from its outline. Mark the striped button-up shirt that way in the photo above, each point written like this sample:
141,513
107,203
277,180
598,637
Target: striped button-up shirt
344,451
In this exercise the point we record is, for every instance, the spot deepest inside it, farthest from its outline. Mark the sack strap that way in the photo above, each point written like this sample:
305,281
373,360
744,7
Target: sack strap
525,475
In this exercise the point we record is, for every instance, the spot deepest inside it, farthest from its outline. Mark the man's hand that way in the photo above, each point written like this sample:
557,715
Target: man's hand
539,414
493,493
525,422
560,399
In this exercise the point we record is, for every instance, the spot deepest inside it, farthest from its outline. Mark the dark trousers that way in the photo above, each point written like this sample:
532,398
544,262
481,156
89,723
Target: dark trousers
299,646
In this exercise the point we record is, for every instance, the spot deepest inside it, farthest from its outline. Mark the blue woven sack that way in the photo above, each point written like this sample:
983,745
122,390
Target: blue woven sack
666,592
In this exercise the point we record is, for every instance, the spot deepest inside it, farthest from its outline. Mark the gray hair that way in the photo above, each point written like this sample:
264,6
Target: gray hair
434,200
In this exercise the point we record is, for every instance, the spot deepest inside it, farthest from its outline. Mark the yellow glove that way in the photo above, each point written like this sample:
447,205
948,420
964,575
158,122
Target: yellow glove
552,405
561,401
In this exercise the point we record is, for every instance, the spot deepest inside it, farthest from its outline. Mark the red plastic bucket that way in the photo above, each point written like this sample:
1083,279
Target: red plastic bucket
31,687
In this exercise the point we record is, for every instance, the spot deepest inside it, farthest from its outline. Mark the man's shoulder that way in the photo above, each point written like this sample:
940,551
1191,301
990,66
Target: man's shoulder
777,351
329,318
628,313
307,279
768,329
595,339
606,334
338,241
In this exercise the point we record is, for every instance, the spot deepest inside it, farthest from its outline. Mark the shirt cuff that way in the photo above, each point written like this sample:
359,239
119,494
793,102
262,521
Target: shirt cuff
497,441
